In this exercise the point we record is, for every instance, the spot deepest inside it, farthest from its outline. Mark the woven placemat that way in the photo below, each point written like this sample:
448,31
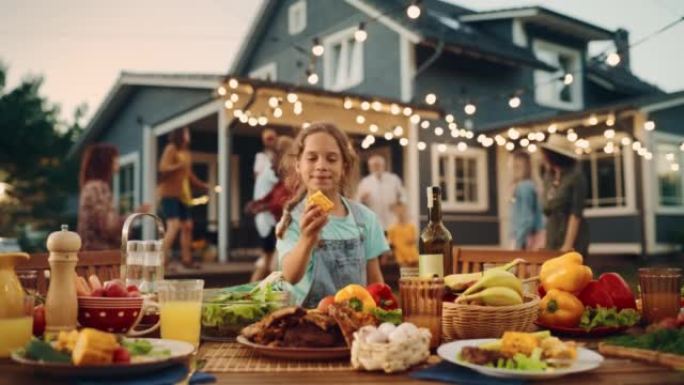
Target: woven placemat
227,357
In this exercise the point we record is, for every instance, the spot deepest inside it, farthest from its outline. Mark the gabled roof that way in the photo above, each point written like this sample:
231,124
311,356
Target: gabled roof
648,103
439,23
123,87
620,79
544,17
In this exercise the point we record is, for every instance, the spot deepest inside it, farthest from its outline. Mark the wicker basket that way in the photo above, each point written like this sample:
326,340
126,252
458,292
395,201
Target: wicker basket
462,321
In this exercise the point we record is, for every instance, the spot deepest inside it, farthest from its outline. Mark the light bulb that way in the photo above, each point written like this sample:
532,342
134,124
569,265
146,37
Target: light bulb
568,79
669,156
365,105
481,138
553,127
398,131
513,133
347,104
488,142
395,109
297,109
462,146
441,147
439,131
413,11
292,97
455,134
524,142
262,120
593,120
408,111
278,112
649,125
425,124
415,119
470,109
377,106
430,98
312,78
572,136
361,35
403,142
373,128
532,148
421,146
317,48
449,118
222,91
500,140
613,59
360,119
514,102
234,98
609,134
228,104
510,146
626,141
273,102
252,121
610,120
453,126
389,136
233,83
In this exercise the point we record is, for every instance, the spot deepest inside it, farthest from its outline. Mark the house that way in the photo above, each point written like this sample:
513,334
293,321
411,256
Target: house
445,97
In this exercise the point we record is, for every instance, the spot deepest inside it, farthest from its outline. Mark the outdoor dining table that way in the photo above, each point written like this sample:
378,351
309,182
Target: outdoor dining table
613,371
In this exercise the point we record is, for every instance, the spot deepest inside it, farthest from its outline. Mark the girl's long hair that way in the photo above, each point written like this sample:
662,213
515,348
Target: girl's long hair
97,163
293,182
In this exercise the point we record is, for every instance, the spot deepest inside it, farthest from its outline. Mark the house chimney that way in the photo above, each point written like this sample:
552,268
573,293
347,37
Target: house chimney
621,39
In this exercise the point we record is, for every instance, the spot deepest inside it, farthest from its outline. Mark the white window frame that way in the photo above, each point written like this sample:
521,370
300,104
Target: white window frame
676,140
480,156
628,165
355,60
543,88
211,161
296,17
132,158
265,72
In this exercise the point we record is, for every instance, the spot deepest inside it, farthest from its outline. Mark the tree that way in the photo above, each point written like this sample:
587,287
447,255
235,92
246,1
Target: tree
37,178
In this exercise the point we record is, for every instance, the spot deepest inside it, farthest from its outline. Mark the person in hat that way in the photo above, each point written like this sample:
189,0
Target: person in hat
565,190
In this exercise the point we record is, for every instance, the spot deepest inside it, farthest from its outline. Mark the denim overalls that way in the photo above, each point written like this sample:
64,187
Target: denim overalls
338,262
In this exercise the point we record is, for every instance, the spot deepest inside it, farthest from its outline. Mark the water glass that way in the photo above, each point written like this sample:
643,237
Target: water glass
180,304
421,304
660,294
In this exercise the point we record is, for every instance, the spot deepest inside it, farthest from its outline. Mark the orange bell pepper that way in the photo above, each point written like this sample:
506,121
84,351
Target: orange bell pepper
559,308
358,297
565,273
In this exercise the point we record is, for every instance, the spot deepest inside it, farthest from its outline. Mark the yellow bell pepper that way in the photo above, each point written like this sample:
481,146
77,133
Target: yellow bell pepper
358,297
559,308
565,273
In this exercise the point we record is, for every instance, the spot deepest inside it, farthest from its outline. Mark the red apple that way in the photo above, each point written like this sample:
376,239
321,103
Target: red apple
115,288
98,293
38,320
121,355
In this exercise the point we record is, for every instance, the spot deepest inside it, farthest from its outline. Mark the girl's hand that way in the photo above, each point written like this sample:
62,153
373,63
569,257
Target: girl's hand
312,221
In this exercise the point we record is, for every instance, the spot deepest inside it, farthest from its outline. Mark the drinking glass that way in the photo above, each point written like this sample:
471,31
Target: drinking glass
421,304
660,292
180,304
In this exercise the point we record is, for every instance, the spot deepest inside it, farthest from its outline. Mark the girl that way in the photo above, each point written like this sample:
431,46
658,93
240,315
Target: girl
565,190
322,252
526,216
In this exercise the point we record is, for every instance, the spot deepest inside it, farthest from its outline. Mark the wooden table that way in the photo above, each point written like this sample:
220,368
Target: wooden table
612,372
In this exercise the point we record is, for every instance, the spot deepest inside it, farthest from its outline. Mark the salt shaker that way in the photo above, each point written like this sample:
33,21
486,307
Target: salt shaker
152,266
135,259
61,306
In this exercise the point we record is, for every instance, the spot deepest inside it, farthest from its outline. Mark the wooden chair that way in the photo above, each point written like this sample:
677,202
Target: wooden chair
473,260
106,264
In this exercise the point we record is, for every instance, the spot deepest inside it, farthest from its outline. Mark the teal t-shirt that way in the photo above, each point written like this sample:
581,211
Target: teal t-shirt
337,228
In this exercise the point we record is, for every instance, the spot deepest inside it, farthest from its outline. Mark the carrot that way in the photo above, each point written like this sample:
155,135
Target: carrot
94,282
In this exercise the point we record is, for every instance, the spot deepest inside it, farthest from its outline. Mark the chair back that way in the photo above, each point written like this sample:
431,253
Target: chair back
105,264
473,260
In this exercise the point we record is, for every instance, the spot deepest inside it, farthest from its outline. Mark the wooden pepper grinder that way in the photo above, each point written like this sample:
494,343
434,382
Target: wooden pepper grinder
61,306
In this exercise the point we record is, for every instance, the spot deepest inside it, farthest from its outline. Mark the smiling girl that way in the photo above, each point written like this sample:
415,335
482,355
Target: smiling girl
322,252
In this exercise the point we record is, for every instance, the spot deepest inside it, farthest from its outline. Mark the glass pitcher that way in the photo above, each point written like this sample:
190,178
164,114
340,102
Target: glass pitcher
15,312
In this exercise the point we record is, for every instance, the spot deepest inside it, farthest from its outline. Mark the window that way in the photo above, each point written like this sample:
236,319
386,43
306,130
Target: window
297,17
126,192
462,176
668,166
550,90
265,72
343,60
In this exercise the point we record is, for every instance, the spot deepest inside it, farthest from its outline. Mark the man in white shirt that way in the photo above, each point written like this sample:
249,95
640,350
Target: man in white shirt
263,159
380,190
264,181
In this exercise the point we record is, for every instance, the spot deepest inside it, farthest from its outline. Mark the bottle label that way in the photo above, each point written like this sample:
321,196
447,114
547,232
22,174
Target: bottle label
431,265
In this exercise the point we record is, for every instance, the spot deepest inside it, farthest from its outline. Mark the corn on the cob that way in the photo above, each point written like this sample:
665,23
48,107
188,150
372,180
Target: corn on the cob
94,347
517,342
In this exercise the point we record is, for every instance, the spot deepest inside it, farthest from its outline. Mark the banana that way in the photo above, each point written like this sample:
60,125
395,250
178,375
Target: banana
496,278
494,296
460,282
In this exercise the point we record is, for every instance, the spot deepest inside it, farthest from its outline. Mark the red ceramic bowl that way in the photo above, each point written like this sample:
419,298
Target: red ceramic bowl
110,314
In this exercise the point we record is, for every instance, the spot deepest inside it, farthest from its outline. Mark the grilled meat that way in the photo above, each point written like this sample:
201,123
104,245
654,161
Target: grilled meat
480,356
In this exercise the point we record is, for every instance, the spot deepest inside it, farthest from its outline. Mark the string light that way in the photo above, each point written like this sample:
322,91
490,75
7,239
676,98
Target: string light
510,146
568,78
317,49
626,141
425,124
610,121
524,142
514,101
298,108
649,125
669,156
422,146
222,91
373,128
228,104
361,35
439,131
237,113
449,118
233,83
415,119
377,106
553,127
488,142
408,111
532,148
311,77
453,126
469,108
430,98
455,134
365,105
648,156
540,136
462,146
278,112
481,138
572,135
531,136
273,102
389,135
253,121
513,133
262,120
306,125
613,59
593,120
413,11
681,147
609,134
500,140
609,148
234,98
441,147
403,142
244,118
636,146
398,131
360,119
395,109
292,97
347,104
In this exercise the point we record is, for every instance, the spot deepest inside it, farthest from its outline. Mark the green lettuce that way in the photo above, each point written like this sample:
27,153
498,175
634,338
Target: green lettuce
391,316
595,317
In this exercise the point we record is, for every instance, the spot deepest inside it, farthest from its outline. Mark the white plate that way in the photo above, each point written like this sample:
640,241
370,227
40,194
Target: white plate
180,351
586,360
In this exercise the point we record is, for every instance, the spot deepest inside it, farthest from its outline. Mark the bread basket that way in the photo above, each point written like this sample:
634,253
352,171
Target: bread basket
464,321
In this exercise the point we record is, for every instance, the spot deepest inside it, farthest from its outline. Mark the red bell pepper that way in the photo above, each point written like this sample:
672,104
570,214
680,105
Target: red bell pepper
619,291
382,294
595,295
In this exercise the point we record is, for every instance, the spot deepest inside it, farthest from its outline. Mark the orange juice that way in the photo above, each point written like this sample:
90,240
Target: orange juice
16,332
180,320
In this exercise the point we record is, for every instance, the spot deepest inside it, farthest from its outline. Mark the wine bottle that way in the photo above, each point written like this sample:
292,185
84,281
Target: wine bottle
435,238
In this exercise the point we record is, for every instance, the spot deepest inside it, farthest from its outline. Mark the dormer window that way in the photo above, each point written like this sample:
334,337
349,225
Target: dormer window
550,88
296,21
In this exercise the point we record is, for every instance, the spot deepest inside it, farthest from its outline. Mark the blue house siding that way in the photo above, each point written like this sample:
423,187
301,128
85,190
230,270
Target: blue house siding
669,229
669,120
622,229
326,17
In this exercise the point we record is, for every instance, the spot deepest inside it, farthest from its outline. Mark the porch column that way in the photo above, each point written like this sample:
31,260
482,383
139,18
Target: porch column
149,178
224,181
